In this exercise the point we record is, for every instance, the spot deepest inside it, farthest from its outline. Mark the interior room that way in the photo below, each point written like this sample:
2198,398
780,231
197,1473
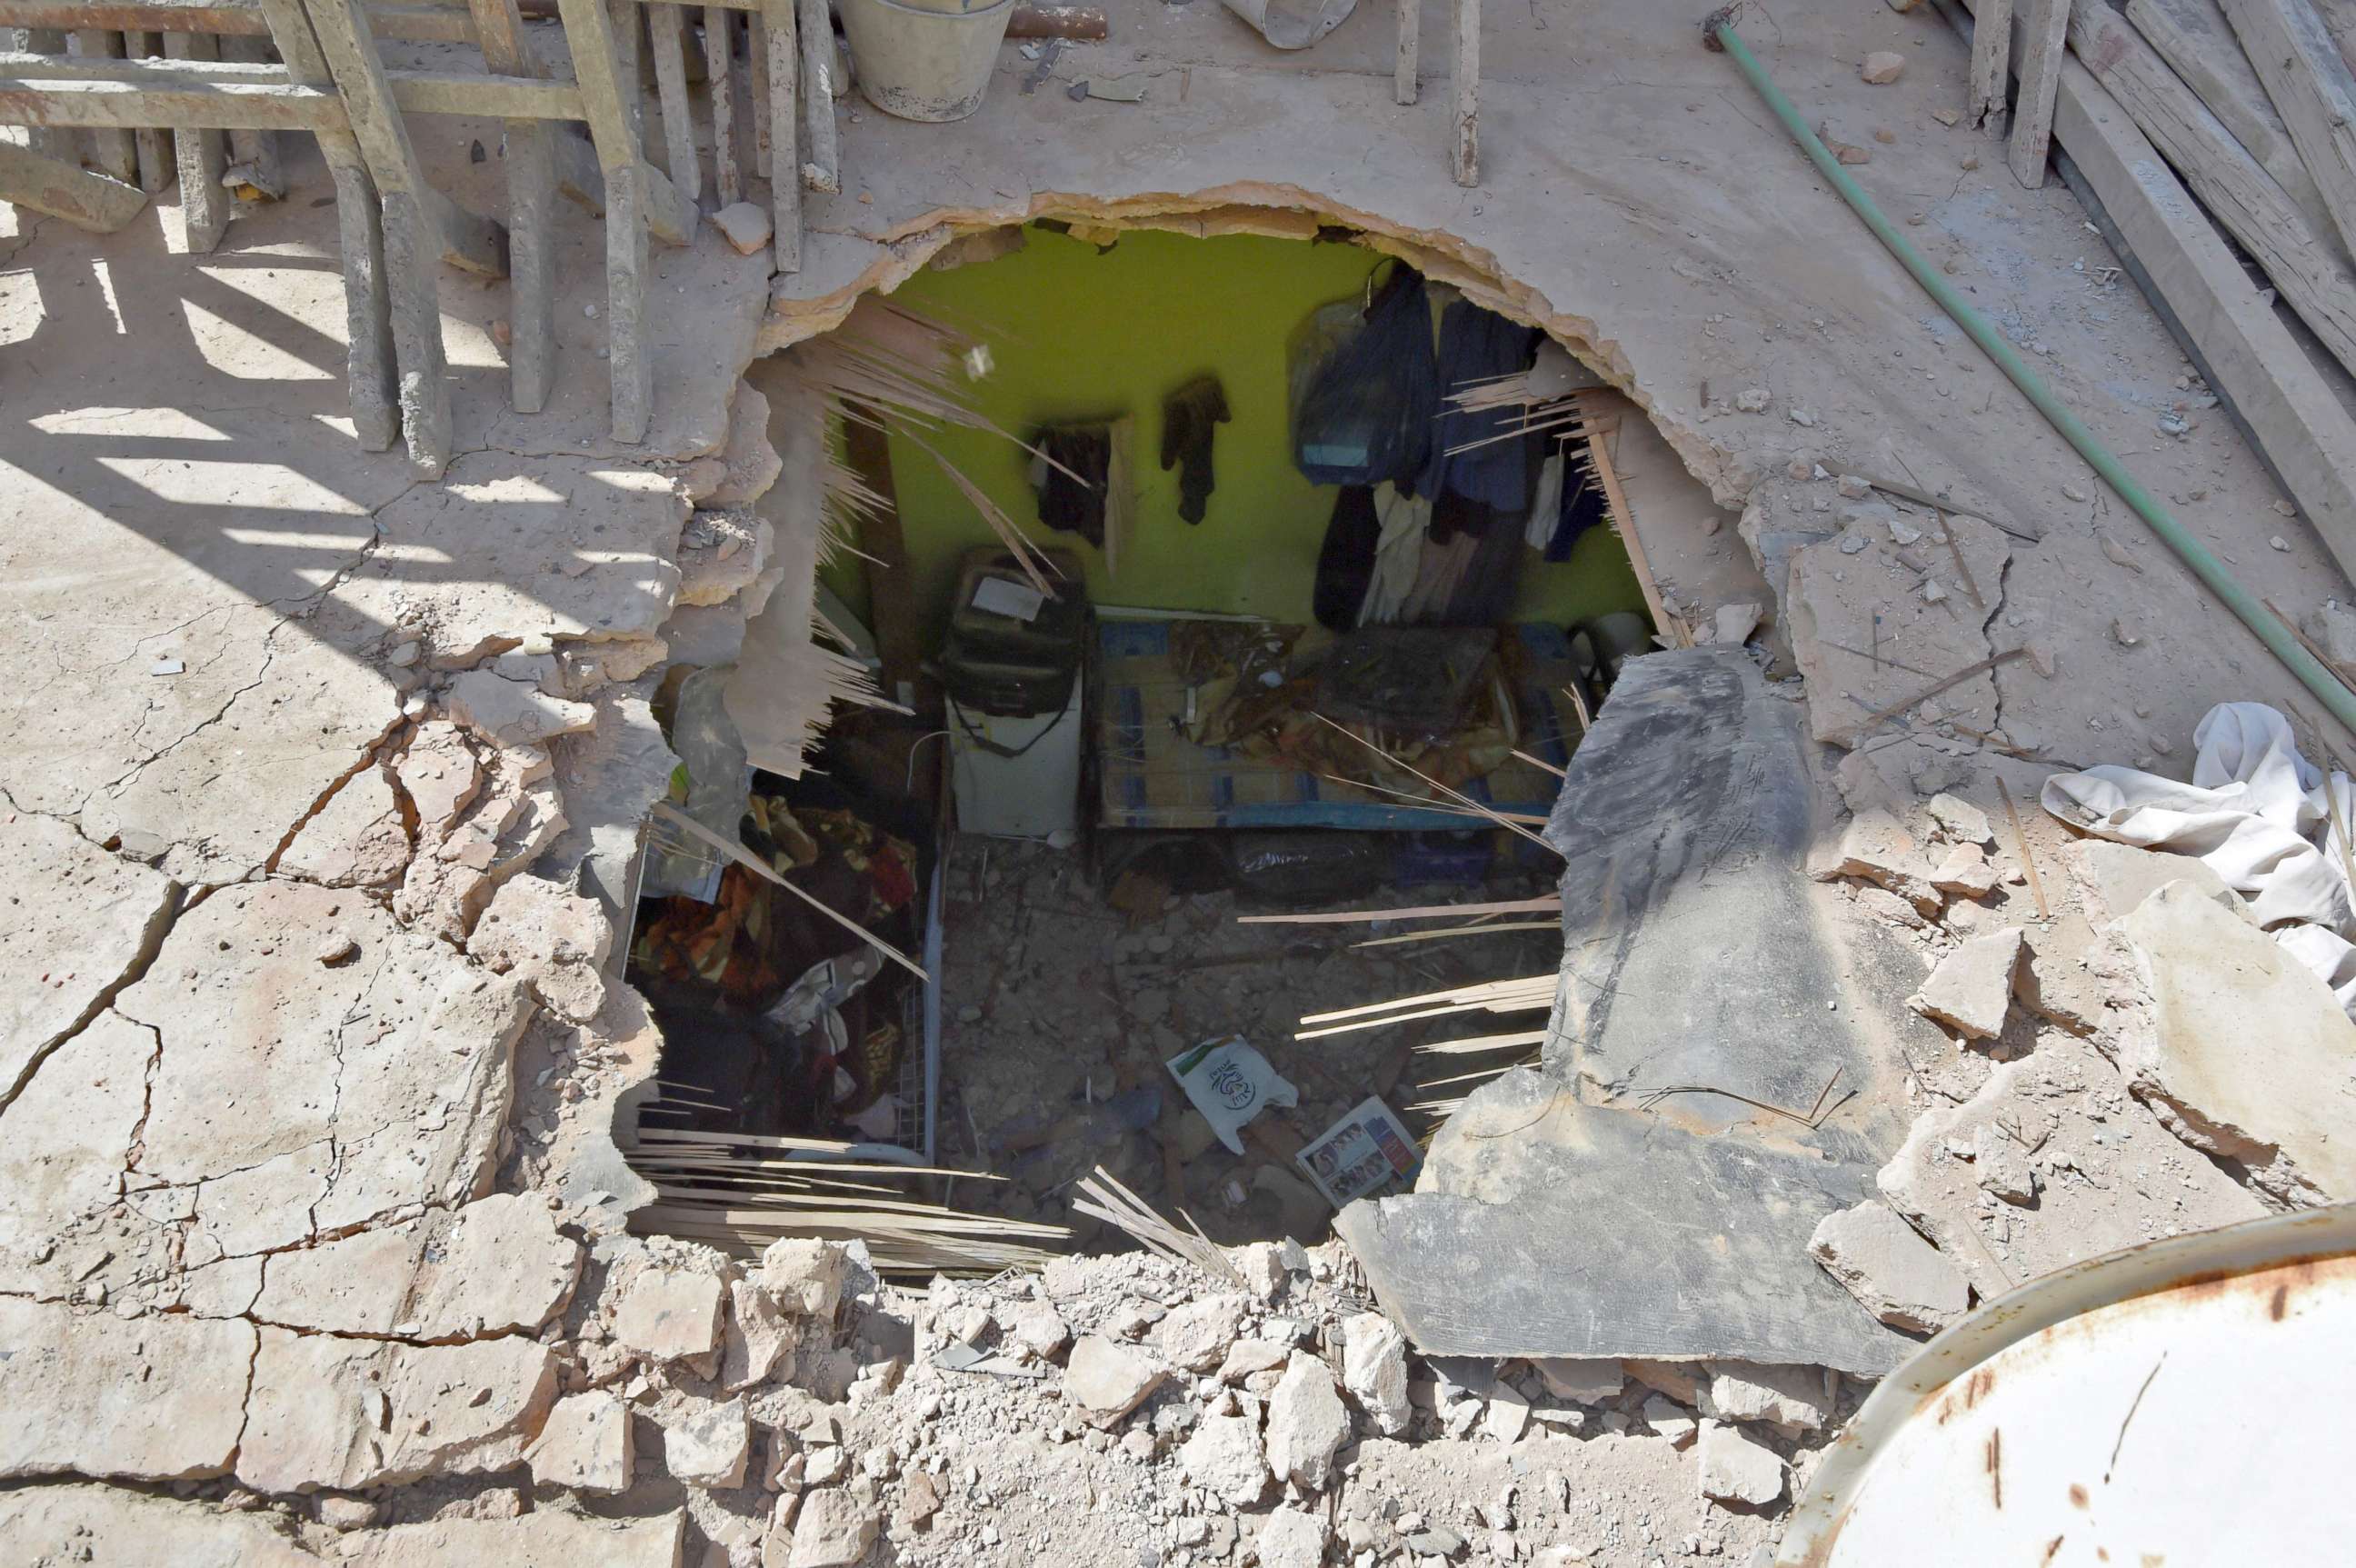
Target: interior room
1195,583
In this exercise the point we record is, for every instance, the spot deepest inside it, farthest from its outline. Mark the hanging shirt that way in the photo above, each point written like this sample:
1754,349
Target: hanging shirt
1478,345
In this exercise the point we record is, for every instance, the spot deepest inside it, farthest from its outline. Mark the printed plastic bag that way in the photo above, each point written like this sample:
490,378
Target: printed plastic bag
1230,1083
1294,23
1365,389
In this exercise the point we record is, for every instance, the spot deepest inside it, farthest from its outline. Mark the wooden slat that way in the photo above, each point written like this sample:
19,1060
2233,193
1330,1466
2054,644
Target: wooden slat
1672,627
2040,69
114,151
757,98
415,23
719,71
2312,88
1991,65
1466,113
371,376
2305,266
613,126
253,154
531,164
204,205
821,163
1409,45
49,184
411,236
152,142
667,33
781,40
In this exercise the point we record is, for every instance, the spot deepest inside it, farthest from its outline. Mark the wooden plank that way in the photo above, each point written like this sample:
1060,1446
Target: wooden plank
153,144
613,126
2240,194
1671,627
93,202
371,376
202,156
1991,66
719,73
411,22
1467,83
530,164
211,107
821,165
2313,91
785,76
2198,43
2253,360
1410,42
893,612
757,72
667,32
413,236
43,44
1082,24
2032,111
114,151
253,158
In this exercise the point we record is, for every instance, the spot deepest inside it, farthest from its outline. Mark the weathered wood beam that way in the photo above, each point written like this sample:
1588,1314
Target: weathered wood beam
411,21
821,161
667,35
371,377
2314,90
720,78
2240,194
204,205
253,162
530,166
756,100
115,152
152,143
86,200
1467,86
609,100
1410,44
1991,65
782,42
2040,70
230,95
412,237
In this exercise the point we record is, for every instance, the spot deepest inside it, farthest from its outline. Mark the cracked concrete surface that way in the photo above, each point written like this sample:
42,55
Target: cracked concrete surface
300,955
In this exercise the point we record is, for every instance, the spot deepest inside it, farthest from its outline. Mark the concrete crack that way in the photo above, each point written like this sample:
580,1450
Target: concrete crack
151,943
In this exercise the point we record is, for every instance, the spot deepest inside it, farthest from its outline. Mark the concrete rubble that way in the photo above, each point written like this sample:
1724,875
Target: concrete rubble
323,785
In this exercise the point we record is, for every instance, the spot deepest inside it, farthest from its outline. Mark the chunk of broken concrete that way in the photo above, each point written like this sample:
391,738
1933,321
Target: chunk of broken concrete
1877,848
1964,873
1293,1538
513,713
1223,1456
805,1276
1307,1424
587,1445
162,1399
670,1315
1196,1334
552,940
1972,988
1107,1380
1894,1273
2120,877
1584,1379
832,1529
761,1338
745,225
2249,1055
710,1446
496,1266
1791,1399
1736,1469
355,839
1373,1368
1882,67
1958,820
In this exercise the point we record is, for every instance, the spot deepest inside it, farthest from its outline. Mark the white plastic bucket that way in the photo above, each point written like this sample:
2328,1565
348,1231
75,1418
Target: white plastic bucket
920,61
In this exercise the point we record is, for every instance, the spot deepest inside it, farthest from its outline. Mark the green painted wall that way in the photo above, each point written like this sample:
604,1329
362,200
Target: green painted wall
1076,334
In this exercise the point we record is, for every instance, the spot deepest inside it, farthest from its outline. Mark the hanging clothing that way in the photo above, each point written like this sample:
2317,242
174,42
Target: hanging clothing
1070,505
1485,595
1581,508
1545,503
1346,563
1364,387
1478,345
1397,554
1438,573
1188,418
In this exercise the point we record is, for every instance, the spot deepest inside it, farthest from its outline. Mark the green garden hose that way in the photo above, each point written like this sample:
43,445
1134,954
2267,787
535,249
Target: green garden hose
1720,32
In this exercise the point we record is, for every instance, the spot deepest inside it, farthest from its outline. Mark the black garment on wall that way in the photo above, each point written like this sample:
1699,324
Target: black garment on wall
1582,509
1073,506
1346,563
1188,418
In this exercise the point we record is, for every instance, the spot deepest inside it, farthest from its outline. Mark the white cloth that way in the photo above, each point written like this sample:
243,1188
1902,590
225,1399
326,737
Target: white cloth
1399,554
2257,813
1546,505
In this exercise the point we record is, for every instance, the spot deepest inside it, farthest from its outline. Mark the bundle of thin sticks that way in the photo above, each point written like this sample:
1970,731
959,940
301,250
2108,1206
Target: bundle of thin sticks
740,1191
1524,995
1102,1195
